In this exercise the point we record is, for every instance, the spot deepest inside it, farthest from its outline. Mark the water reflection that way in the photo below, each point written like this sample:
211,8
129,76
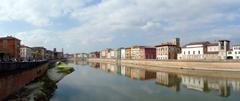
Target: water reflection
168,80
77,62
206,84
174,81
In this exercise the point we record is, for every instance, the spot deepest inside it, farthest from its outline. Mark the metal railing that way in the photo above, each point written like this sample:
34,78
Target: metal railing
15,66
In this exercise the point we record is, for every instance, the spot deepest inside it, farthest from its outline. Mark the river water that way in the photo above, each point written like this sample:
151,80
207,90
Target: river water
110,82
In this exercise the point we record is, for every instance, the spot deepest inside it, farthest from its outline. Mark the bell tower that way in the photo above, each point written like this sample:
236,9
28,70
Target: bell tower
176,41
224,46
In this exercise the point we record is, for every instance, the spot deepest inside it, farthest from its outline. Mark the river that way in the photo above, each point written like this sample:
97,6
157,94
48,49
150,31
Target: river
110,82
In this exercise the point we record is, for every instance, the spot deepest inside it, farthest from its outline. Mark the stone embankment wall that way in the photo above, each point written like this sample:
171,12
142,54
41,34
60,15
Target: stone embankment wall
201,65
18,66
14,81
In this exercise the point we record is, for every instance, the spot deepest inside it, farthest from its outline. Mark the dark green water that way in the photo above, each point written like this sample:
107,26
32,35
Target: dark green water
106,82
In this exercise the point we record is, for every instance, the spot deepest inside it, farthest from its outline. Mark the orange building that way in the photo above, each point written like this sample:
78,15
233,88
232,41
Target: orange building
128,53
9,48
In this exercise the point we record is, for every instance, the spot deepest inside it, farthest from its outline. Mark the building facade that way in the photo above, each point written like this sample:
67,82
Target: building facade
148,53
136,52
94,55
123,53
205,50
143,52
9,48
168,50
119,53
223,46
26,53
105,53
39,53
234,53
49,55
81,56
128,53
113,54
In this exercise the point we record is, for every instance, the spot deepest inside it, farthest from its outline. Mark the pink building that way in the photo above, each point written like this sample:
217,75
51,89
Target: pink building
143,52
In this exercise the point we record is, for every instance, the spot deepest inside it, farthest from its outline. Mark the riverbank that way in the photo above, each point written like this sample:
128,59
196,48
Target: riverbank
13,81
41,89
175,64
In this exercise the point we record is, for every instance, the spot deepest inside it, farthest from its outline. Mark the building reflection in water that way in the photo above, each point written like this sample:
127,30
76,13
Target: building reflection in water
78,62
137,74
141,74
95,65
169,80
174,81
207,84
196,83
133,73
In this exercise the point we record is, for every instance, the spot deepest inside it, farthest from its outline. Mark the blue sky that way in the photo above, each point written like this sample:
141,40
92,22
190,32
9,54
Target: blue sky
89,25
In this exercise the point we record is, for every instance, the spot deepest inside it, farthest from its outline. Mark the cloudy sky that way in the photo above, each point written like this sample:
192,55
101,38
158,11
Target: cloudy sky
89,25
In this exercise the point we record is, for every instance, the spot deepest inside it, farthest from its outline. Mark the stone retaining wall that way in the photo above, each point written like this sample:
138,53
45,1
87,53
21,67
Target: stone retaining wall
12,82
202,65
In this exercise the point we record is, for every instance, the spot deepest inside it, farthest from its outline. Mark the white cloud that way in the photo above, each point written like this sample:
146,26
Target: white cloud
40,37
104,22
160,17
37,12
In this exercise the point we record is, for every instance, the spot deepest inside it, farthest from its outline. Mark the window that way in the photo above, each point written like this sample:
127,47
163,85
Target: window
222,45
235,52
188,52
199,52
193,52
184,52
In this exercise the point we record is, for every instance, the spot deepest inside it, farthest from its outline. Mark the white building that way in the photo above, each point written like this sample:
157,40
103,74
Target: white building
109,55
123,54
234,53
205,50
26,53
105,53
113,54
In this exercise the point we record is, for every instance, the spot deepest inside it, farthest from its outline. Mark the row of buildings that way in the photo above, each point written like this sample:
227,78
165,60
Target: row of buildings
12,50
206,50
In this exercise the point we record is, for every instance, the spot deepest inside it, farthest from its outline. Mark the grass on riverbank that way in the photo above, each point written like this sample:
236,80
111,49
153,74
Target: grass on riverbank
63,68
